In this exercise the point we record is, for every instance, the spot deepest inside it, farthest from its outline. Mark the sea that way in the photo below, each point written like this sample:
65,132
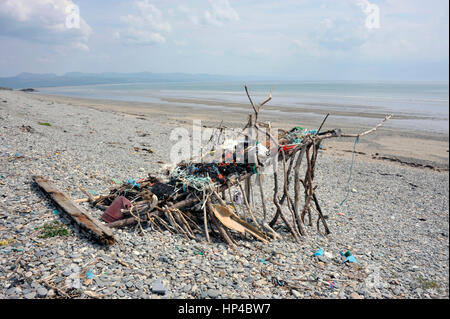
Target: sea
423,106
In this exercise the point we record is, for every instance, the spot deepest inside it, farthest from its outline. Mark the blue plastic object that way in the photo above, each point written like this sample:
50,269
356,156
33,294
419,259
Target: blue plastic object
133,183
90,274
319,252
350,259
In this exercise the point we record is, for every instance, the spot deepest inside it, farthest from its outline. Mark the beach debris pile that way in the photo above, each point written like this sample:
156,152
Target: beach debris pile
213,198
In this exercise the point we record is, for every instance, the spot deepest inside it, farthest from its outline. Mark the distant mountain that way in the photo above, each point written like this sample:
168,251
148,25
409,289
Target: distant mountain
31,80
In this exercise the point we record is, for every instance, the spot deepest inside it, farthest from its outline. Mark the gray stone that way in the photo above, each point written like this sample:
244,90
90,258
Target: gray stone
187,288
158,287
30,295
323,259
42,292
129,284
11,291
297,294
213,293
120,293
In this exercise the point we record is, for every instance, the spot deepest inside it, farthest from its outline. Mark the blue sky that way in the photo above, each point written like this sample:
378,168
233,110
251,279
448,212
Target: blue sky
303,39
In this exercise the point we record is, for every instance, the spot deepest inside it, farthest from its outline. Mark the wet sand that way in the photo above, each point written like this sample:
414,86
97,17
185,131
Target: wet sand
391,142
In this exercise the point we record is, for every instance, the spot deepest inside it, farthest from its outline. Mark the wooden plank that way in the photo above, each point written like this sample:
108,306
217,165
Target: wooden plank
82,218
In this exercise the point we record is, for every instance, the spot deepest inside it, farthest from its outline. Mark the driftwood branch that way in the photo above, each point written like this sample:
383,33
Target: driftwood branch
77,214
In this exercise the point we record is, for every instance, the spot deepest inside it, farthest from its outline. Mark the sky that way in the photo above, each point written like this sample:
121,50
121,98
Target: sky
302,39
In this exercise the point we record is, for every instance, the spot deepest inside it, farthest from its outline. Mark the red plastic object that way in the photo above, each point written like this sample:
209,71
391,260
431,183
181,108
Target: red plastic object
113,212
288,147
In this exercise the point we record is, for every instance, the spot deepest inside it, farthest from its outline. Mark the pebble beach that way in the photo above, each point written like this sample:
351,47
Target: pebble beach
395,220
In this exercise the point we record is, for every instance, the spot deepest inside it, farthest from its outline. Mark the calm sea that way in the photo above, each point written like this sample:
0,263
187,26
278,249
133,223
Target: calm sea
422,105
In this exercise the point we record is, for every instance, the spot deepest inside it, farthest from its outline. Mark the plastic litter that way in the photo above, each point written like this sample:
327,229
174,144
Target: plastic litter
113,212
89,274
319,252
133,183
349,258
116,181
6,242
56,212
262,260
332,284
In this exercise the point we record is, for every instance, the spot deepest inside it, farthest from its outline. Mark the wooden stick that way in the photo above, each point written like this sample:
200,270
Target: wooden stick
279,209
263,200
84,200
205,218
275,218
78,215
91,199
297,190
369,131
321,217
289,203
323,122
247,205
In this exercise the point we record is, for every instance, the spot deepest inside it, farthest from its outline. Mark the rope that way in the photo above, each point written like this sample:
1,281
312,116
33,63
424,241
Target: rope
351,170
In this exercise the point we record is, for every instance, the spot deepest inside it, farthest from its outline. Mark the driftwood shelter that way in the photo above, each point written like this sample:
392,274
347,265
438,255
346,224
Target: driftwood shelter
202,196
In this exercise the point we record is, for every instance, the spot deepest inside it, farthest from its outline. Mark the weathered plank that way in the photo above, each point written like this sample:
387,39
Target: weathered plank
82,218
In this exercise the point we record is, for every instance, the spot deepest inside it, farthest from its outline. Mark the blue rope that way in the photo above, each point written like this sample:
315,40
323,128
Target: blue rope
351,170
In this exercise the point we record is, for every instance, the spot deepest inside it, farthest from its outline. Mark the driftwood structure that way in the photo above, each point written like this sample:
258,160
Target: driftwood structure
202,197
200,204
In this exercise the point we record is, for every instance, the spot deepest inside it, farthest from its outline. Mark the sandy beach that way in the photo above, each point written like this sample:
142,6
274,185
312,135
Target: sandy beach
416,147
395,220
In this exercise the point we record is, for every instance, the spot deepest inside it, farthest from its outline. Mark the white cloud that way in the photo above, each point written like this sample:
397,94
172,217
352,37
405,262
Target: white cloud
190,15
43,21
221,12
146,27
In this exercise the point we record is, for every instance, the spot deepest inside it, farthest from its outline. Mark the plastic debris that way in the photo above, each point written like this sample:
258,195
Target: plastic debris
45,123
319,252
89,274
114,211
116,181
332,284
133,183
6,242
93,192
55,212
229,219
349,258
262,260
